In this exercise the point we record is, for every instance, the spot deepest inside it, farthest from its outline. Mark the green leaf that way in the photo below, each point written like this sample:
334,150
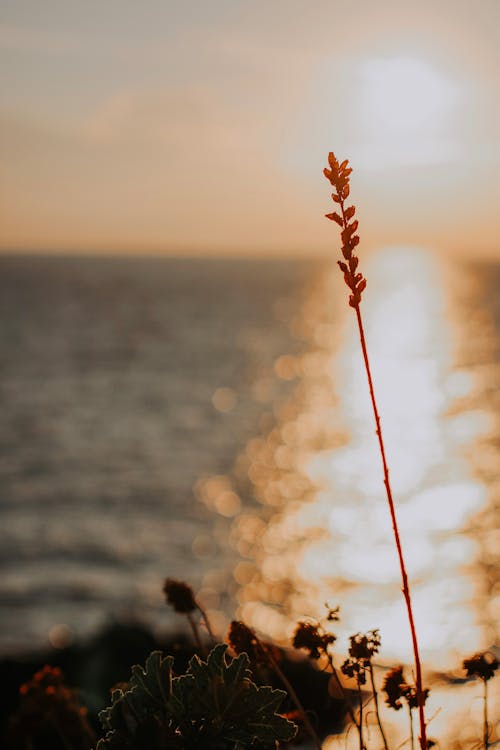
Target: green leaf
154,682
227,708
214,706
142,711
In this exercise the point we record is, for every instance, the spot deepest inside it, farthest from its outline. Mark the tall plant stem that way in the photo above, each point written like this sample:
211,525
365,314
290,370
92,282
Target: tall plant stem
207,623
342,690
392,510
360,697
375,698
485,717
196,633
291,692
412,739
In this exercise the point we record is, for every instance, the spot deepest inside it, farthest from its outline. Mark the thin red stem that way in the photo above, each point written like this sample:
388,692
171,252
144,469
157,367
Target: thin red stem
392,510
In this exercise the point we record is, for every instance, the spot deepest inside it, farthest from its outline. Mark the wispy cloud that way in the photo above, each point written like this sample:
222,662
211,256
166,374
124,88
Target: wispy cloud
152,124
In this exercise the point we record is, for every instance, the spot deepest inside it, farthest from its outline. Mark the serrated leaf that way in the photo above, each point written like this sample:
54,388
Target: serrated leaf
238,669
215,706
155,681
229,705
143,710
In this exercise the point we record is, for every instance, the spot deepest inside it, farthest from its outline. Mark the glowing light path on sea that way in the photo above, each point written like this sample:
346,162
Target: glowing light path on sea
323,532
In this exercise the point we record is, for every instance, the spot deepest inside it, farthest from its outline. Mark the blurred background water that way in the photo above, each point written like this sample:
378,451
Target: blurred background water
123,382
209,420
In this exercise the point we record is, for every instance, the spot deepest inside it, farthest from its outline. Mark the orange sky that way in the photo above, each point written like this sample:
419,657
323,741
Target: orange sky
203,126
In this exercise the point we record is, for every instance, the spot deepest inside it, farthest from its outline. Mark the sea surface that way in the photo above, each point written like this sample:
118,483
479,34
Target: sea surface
123,383
209,420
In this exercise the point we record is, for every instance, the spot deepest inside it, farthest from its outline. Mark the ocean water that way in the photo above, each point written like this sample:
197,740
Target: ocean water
208,420
122,383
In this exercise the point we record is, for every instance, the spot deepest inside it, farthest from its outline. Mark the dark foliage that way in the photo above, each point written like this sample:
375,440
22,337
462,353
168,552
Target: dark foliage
214,706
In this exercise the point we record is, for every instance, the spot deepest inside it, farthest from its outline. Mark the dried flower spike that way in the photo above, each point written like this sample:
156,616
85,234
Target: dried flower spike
338,174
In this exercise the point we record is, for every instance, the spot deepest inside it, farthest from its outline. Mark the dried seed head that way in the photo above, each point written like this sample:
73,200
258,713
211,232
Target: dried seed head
332,613
312,639
354,669
179,595
241,638
410,693
395,687
394,683
364,646
361,649
482,665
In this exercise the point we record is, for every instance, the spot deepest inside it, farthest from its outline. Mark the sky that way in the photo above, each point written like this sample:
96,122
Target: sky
202,126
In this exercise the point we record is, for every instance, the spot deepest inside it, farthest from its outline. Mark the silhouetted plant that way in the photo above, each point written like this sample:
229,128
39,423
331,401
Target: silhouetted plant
338,175
483,666
362,648
214,706
181,597
396,688
243,640
314,639
50,713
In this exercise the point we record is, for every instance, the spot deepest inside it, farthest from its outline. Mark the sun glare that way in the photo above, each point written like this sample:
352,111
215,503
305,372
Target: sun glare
406,108
405,95
338,543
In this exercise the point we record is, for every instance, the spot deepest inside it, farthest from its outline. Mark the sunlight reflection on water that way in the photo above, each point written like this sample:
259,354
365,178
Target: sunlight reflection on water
322,532
310,521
